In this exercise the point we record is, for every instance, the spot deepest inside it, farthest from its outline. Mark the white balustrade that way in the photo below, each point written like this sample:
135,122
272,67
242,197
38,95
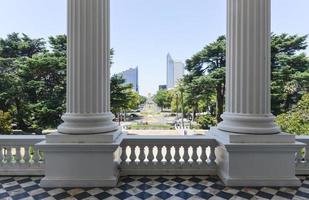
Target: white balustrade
168,155
18,156
140,155
302,156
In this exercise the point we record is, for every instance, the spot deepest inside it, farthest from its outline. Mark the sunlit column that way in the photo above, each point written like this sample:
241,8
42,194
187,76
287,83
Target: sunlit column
88,72
248,68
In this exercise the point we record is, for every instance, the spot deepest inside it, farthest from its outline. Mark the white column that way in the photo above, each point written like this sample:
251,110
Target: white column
252,151
248,68
88,72
82,153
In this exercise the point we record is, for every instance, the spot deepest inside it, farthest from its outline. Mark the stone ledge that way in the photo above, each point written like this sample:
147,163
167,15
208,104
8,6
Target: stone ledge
57,137
225,137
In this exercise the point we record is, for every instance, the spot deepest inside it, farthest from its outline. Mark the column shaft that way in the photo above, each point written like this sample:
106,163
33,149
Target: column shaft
248,68
88,71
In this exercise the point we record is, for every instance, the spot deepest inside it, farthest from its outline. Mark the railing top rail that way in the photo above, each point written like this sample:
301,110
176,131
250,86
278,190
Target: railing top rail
303,138
172,140
20,139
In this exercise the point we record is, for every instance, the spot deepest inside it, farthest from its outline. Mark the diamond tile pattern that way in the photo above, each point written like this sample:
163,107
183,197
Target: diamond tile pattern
150,188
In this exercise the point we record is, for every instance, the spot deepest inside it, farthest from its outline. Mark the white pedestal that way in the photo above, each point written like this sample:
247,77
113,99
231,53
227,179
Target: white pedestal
81,161
254,160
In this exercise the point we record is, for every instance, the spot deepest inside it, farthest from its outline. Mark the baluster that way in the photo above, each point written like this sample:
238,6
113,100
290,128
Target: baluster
35,156
18,155
306,157
160,155
1,155
177,155
123,156
203,155
299,156
142,155
212,156
133,155
151,155
27,158
41,154
168,155
194,154
186,155
9,157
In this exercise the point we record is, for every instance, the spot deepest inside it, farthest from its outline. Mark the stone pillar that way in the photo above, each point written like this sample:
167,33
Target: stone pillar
83,151
248,69
88,71
252,150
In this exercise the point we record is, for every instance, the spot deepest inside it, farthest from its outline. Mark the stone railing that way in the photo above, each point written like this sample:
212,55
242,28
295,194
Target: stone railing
18,156
168,155
302,157
139,155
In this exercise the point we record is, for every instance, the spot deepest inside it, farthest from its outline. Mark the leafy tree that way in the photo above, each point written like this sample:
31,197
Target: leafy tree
33,81
206,121
133,100
296,121
210,60
290,70
142,99
15,46
121,95
58,44
43,86
5,122
163,99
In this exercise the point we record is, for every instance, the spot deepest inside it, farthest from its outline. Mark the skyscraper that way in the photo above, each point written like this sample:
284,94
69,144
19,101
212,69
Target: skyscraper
175,71
179,68
170,71
131,77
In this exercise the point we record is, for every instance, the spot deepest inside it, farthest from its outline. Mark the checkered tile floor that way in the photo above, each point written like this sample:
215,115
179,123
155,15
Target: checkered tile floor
149,187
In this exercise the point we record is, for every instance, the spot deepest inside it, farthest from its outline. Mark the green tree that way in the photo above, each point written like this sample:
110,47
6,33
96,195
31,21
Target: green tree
296,121
121,95
33,81
211,61
5,123
163,99
15,46
206,121
290,69
134,100
58,45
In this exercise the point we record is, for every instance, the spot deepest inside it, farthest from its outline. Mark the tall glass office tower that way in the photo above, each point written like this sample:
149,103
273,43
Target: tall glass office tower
175,71
169,72
131,77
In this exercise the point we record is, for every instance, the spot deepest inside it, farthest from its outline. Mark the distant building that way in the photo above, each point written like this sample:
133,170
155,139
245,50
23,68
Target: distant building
175,71
179,70
162,87
170,71
131,77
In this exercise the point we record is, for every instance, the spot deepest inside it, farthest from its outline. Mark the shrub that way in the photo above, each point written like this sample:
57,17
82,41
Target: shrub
296,121
206,121
5,123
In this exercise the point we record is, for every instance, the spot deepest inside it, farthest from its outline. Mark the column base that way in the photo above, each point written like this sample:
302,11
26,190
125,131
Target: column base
251,160
248,123
87,124
80,164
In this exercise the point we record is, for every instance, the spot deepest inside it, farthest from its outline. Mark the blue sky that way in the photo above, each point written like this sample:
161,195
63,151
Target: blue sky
144,31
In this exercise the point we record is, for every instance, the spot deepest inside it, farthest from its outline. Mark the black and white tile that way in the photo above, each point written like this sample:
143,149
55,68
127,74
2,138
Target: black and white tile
150,188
